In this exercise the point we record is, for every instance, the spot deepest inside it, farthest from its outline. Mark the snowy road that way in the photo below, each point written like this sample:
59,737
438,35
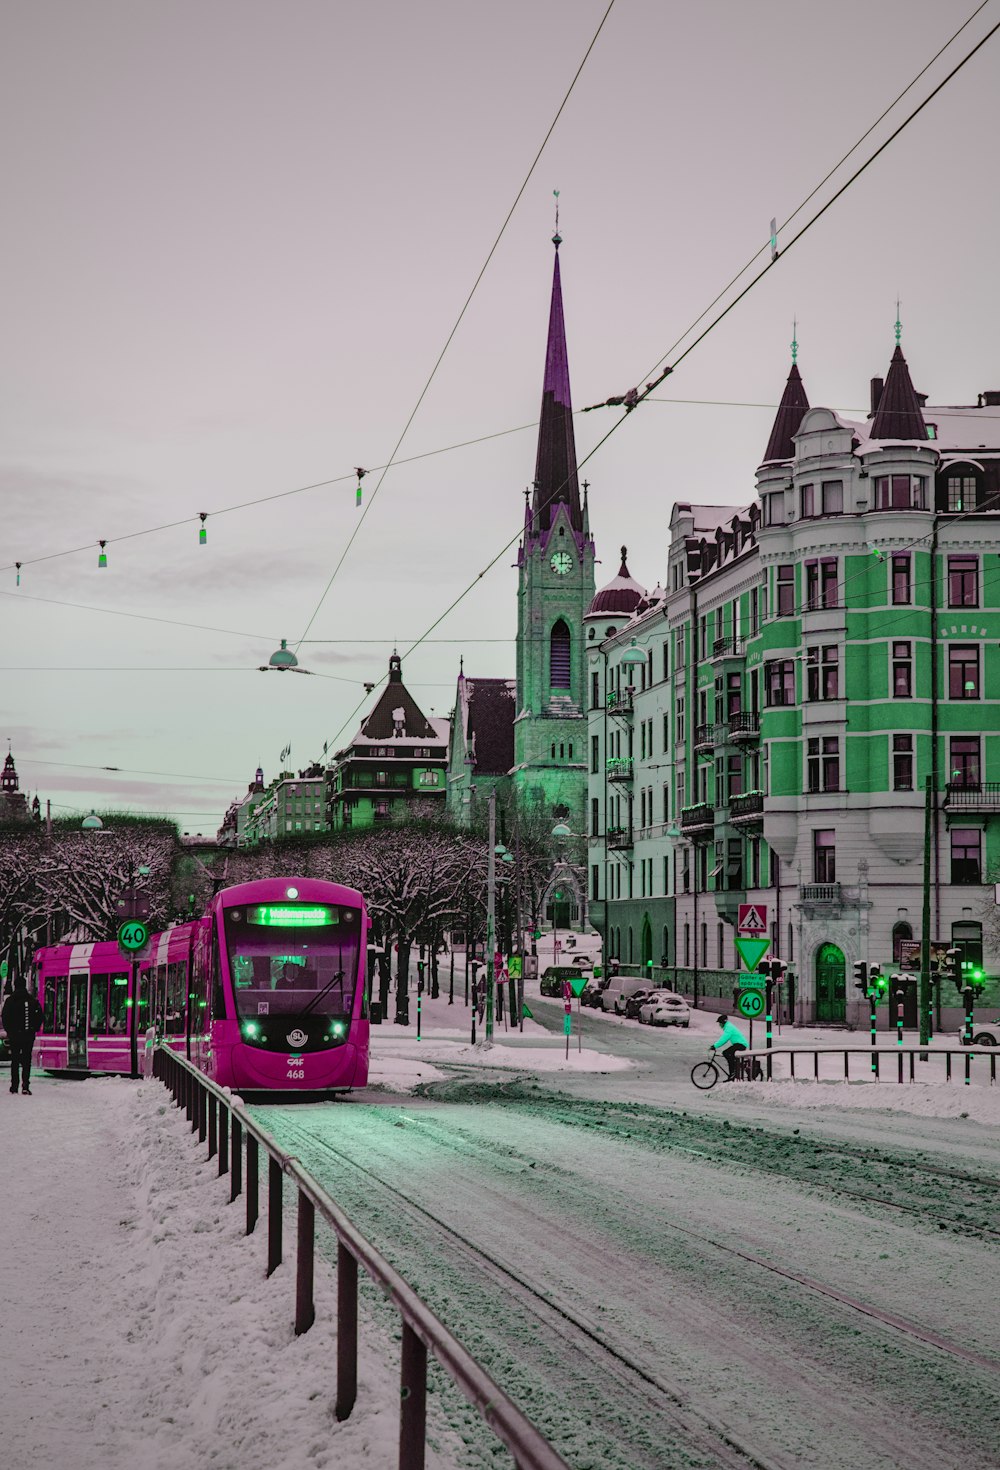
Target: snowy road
697,1285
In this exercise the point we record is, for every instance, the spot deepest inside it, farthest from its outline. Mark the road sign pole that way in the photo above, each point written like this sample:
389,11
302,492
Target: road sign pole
768,1035
134,1038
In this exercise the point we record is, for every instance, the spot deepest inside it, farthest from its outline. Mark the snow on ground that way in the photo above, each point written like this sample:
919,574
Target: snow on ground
140,1330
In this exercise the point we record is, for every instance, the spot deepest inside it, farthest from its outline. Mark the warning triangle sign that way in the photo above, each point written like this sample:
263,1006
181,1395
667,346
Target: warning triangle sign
752,951
752,920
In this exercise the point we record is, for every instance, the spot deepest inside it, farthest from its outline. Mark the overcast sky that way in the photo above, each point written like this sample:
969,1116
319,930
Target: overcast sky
236,237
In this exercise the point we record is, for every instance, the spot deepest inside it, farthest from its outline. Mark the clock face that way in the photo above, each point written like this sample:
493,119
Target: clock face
561,563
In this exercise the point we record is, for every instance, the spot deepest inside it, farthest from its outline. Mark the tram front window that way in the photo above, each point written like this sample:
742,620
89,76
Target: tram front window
290,958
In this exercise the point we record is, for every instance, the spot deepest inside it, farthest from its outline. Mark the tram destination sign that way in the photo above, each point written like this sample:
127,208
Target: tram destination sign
133,936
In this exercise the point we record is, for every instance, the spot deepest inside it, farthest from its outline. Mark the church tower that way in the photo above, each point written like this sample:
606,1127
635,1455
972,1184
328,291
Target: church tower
555,587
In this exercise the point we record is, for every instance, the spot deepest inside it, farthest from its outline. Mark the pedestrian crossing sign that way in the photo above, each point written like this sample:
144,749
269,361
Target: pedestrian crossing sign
751,920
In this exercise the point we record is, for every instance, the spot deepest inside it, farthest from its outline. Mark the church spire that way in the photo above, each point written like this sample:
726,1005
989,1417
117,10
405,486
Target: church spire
898,414
787,420
555,464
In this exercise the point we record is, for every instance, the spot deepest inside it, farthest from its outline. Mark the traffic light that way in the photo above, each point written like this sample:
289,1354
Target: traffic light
878,982
951,968
860,975
778,968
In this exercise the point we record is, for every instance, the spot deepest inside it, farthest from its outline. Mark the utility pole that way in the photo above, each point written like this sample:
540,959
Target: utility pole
925,928
491,885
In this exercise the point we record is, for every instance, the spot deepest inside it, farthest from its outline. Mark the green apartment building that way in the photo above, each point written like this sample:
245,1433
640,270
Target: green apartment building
816,659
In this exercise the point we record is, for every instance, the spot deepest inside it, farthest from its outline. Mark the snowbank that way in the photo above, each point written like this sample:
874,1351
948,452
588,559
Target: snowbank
140,1331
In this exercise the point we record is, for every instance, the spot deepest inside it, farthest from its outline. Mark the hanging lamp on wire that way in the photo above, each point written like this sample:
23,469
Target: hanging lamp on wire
17,564
102,559
360,474
202,533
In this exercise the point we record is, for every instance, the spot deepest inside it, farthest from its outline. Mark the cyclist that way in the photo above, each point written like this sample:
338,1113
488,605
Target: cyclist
731,1041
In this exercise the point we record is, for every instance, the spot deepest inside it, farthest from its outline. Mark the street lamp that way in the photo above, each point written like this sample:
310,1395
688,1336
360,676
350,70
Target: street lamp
284,661
92,823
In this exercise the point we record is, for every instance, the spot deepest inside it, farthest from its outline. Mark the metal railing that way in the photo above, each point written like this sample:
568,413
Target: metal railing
700,815
744,724
820,893
728,647
220,1120
982,796
619,837
619,768
874,1057
746,807
620,702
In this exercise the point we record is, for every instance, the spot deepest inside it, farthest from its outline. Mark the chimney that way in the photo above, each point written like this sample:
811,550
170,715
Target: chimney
990,399
922,399
877,384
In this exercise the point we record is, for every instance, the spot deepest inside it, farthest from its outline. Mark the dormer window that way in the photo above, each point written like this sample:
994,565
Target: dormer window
961,492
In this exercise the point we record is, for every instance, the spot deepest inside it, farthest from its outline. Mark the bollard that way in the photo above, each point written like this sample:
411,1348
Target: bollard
305,1311
413,1406
347,1331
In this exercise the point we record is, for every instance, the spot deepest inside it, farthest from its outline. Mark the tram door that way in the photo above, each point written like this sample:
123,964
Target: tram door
76,1033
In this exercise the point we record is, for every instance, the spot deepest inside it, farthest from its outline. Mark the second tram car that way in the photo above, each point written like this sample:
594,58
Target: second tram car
267,991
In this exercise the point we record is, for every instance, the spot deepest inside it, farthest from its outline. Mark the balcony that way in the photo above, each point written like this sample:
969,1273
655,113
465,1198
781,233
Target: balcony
972,796
619,839
729,648
744,727
824,893
704,737
699,818
747,810
619,768
620,702
827,900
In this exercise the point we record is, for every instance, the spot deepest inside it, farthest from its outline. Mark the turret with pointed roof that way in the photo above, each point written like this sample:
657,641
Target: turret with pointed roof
898,415
555,462
794,403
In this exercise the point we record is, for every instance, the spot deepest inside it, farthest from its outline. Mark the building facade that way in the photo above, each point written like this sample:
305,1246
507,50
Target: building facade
819,661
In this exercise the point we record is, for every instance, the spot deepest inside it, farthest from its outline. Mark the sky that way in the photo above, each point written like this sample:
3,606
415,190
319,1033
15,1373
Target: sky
237,238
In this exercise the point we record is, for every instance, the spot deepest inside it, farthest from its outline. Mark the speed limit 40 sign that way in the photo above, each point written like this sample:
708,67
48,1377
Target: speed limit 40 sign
750,1003
133,936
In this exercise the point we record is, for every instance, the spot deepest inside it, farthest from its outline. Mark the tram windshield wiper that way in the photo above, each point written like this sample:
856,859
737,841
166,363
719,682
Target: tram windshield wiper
319,996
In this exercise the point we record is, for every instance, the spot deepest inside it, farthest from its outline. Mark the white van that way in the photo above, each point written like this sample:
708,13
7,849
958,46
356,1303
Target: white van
618,992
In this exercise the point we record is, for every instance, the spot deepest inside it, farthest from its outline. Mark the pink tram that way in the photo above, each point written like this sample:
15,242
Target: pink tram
266,992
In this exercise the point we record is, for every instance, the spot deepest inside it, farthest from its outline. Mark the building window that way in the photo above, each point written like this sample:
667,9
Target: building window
823,672
902,591
900,492
774,508
963,581
734,695
786,592
734,865
428,778
678,650
963,671
381,778
779,677
595,818
823,764
595,691
902,670
833,497
902,763
808,501
594,879
559,657
961,492
964,767
825,857
966,855
595,754
821,583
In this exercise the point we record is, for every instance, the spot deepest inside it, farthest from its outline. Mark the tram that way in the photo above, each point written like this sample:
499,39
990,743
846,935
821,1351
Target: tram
267,991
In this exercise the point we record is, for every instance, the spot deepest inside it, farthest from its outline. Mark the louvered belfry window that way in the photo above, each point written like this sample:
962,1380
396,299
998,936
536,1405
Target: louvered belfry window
559,646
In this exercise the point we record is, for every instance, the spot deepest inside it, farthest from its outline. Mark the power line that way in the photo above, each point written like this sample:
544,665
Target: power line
423,392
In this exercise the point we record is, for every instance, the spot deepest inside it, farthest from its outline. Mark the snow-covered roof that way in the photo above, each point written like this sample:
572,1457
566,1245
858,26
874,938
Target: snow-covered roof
620,595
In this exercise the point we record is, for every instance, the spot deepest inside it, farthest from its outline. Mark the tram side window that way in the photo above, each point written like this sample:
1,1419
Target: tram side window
218,994
176,988
145,998
49,1003
62,985
98,1005
118,1005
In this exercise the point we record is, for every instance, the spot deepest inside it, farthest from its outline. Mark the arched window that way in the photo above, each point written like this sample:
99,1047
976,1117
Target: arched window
900,931
559,655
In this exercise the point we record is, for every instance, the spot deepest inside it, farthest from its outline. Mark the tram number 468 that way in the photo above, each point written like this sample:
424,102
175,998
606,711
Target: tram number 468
296,1071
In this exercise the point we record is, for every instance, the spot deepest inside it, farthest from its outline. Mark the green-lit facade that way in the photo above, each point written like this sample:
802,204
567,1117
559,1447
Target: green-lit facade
816,658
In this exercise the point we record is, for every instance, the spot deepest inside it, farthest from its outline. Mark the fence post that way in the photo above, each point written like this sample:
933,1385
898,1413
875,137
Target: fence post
273,1215
413,1406
252,1187
213,1133
347,1331
236,1160
305,1311
223,1138
202,1111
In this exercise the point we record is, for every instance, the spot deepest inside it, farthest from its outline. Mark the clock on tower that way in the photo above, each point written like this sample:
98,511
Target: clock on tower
561,563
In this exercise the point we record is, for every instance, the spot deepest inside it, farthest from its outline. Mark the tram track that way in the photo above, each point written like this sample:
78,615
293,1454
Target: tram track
698,1430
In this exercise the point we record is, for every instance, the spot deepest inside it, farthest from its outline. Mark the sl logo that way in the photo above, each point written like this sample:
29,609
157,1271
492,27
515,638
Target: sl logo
296,1037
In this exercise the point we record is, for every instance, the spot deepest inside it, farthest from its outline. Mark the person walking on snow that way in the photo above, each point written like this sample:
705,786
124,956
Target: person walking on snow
21,1016
731,1041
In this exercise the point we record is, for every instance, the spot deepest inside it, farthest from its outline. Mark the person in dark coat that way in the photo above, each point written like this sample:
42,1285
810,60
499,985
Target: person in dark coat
21,1016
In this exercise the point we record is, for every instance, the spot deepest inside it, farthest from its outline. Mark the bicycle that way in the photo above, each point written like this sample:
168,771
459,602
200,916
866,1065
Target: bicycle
706,1074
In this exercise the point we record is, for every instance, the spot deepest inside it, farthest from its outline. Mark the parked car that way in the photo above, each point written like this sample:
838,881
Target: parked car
593,991
669,1010
582,962
984,1033
554,975
655,993
618,992
638,998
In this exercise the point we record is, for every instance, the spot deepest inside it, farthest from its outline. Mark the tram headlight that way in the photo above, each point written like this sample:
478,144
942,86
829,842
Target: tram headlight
250,1028
336,1028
